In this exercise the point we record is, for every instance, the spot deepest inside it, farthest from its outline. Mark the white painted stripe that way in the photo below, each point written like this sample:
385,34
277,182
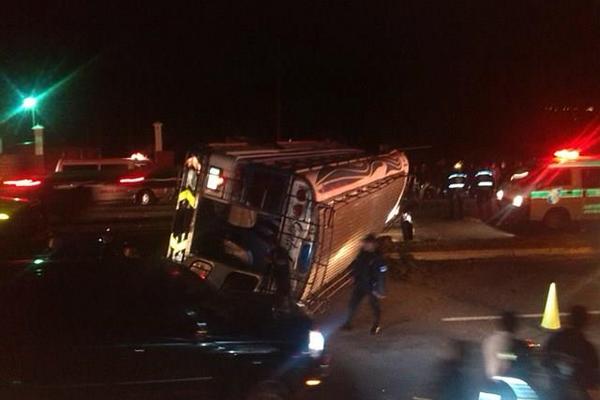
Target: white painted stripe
493,253
127,383
497,317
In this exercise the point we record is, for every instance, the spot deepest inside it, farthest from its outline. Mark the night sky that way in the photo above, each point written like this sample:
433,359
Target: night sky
463,76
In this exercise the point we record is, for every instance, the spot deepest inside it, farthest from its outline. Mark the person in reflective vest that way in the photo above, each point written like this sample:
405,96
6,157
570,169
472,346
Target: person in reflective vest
483,186
456,185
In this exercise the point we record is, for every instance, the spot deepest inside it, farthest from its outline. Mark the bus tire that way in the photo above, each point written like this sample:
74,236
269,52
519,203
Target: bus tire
557,219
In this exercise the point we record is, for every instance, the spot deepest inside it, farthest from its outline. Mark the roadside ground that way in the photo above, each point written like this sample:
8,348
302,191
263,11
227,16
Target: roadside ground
407,359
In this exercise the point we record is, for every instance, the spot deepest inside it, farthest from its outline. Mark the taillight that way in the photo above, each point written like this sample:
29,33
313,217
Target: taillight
23,182
201,269
301,195
298,209
137,179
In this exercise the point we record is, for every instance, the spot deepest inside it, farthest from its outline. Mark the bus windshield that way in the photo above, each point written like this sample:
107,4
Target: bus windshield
233,235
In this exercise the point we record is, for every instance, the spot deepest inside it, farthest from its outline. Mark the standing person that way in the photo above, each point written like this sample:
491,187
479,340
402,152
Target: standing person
569,350
368,271
456,184
484,185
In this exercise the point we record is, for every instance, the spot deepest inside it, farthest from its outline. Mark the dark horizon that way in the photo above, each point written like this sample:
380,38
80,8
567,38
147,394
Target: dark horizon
477,78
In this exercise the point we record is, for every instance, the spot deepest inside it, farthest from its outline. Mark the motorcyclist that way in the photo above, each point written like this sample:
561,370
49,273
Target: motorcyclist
572,359
503,352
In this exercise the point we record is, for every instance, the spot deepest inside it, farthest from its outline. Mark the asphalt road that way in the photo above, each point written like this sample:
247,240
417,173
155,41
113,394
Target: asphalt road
406,360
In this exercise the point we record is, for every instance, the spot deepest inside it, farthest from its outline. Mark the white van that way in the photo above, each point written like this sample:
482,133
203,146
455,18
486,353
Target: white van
565,190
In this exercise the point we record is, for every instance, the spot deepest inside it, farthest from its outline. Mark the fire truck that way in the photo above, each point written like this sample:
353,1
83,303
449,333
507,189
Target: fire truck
562,191
316,200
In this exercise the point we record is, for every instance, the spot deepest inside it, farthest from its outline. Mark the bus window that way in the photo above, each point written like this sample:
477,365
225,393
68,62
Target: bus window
116,168
266,190
80,167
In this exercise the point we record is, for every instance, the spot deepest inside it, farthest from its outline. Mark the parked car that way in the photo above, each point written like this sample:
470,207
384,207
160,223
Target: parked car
150,185
84,329
142,184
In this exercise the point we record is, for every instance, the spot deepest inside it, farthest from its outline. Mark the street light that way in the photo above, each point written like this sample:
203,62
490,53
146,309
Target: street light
29,103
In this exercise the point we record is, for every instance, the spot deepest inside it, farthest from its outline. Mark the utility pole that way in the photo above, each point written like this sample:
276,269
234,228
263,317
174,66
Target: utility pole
278,93
278,108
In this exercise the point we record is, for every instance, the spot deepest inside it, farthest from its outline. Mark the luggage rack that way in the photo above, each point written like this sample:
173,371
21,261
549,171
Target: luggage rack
311,162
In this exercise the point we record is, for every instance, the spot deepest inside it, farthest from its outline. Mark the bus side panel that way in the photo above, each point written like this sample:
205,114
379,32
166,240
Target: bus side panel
352,220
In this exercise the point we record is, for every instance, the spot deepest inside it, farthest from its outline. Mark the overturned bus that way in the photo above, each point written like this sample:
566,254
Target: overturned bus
316,200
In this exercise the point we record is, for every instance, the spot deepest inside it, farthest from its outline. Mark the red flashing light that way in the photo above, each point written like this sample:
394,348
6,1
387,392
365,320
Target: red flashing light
23,182
297,210
137,179
566,155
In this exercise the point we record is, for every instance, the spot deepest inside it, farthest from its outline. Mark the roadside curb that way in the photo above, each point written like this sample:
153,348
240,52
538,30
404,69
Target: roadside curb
448,255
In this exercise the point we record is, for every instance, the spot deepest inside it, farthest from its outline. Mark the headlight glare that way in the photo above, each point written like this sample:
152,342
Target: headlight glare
518,201
316,342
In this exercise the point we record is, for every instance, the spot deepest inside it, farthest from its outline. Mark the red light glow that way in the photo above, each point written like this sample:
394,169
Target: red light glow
23,182
566,155
137,179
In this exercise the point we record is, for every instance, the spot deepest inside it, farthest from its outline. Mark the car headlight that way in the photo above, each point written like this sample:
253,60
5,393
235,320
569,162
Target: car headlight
517,201
500,194
316,342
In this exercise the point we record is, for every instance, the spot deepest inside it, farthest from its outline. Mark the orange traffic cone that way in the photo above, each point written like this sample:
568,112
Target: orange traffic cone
551,317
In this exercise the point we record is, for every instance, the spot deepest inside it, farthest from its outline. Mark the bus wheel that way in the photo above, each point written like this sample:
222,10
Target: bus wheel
145,198
557,219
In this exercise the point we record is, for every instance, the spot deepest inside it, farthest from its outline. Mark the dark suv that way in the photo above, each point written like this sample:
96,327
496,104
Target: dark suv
23,228
125,330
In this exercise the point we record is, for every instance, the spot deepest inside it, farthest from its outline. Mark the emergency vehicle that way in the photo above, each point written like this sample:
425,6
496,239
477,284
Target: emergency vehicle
316,200
565,190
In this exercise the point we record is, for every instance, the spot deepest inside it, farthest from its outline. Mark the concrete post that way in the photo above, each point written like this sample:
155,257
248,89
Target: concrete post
38,137
158,142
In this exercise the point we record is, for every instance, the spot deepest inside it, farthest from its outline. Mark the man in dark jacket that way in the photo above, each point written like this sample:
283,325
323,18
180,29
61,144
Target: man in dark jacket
368,271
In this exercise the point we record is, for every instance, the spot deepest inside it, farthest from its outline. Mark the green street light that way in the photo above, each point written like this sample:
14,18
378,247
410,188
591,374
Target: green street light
29,103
